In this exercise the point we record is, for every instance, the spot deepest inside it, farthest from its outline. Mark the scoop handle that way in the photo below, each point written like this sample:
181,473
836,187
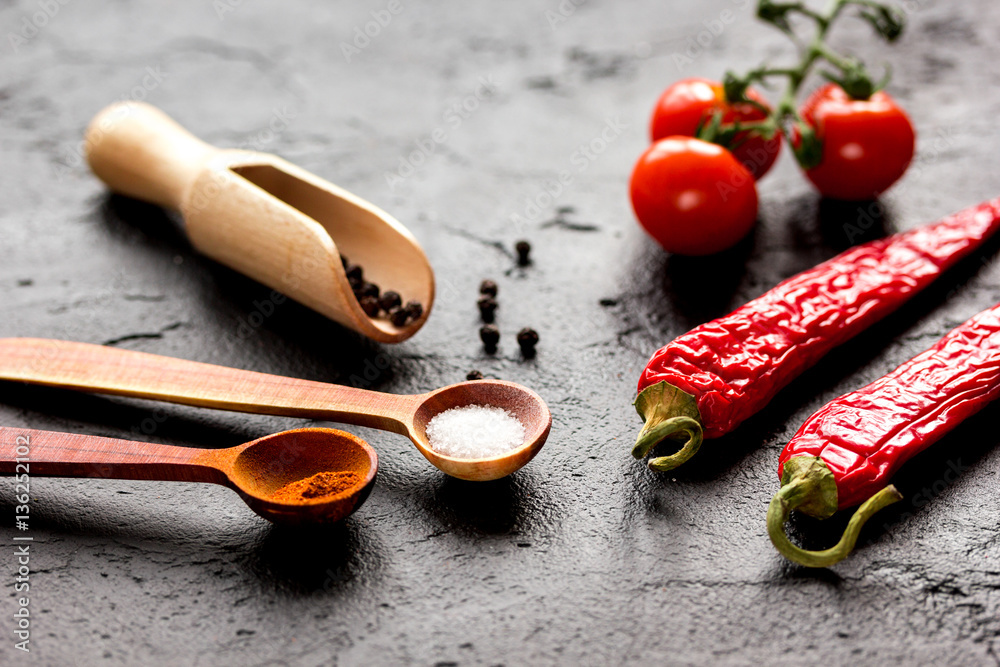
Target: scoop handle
139,151
52,454
107,370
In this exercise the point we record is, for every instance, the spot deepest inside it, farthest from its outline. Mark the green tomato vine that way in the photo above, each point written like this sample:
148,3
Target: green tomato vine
846,71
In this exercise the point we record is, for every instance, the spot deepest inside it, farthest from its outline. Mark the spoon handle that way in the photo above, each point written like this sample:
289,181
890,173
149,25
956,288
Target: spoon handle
51,454
141,152
107,370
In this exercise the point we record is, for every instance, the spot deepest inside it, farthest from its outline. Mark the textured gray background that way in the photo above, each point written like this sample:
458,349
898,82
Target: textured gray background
583,556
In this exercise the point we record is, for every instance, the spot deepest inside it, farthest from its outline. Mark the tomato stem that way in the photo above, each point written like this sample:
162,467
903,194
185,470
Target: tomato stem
854,78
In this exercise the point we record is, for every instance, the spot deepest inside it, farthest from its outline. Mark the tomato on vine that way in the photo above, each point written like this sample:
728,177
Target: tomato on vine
852,140
691,104
866,144
693,197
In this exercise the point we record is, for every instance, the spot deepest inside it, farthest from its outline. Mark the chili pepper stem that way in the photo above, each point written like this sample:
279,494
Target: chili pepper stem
809,486
678,427
672,413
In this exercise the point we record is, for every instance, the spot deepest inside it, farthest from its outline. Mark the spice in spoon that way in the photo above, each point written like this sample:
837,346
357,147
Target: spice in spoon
375,302
367,289
399,316
355,274
370,305
475,432
389,301
317,488
414,310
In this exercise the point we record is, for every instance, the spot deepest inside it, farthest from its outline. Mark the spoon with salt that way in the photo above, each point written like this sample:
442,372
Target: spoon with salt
259,471
106,370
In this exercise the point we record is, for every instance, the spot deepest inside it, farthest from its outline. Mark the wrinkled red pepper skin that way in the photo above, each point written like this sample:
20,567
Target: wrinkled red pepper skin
734,365
865,436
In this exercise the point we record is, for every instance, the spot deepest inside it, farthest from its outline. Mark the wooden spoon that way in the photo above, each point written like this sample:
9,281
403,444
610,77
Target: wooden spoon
107,370
263,216
255,469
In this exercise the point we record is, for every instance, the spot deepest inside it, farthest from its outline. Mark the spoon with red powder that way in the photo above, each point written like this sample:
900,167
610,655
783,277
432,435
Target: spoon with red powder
503,425
308,475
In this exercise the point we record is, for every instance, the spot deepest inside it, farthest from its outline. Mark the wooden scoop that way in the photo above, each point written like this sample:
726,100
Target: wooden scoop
263,217
108,370
255,469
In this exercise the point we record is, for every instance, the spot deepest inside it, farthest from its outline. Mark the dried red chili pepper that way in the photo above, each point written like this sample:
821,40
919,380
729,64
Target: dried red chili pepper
707,381
846,452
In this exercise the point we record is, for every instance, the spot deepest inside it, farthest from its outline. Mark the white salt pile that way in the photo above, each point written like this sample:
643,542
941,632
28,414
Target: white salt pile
474,432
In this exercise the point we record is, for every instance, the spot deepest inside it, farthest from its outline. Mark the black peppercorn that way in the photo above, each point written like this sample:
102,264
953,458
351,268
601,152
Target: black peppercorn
355,273
488,287
414,310
473,375
527,338
389,301
523,249
367,289
399,317
369,304
487,308
490,336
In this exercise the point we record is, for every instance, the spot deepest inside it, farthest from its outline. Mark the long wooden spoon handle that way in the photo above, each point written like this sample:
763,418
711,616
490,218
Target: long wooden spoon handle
51,454
108,370
141,152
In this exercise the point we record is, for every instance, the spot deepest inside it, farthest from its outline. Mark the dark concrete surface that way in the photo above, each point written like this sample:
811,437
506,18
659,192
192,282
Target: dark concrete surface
584,556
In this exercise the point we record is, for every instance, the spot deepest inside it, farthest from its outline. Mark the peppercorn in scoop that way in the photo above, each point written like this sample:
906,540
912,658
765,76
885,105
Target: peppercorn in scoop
376,303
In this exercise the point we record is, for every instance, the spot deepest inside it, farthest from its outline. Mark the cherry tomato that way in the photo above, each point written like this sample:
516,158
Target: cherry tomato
693,197
690,102
867,144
